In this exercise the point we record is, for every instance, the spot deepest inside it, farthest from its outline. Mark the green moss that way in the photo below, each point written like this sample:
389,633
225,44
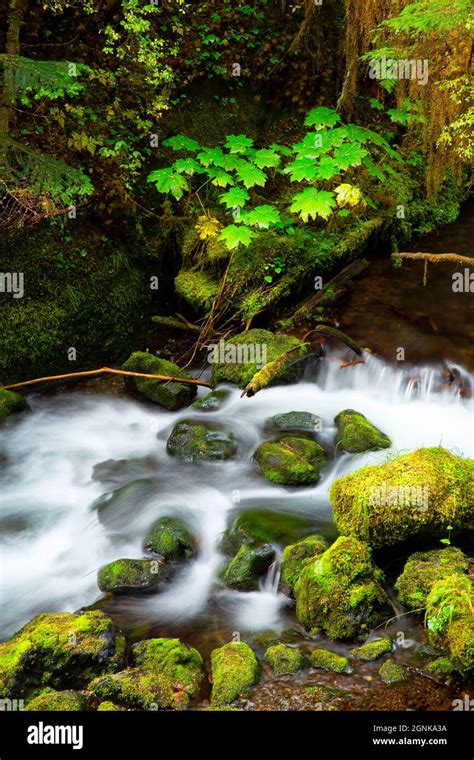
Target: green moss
59,650
181,664
296,556
170,537
391,672
56,701
372,650
321,658
423,569
11,402
129,575
450,619
170,395
107,707
356,434
291,460
442,667
135,688
195,441
340,591
234,669
212,402
415,495
197,288
257,525
248,565
283,659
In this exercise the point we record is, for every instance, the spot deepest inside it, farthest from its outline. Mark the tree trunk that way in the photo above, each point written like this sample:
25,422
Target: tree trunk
16,13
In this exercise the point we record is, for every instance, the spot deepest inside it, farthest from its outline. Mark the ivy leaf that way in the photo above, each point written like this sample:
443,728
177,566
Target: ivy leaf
186,166
322,117
181,142
348,195
220,178
283,149
251,175
168,181
238,143
302,168
209,156
263,216
349,155
236,196
234,235
265,157
312,203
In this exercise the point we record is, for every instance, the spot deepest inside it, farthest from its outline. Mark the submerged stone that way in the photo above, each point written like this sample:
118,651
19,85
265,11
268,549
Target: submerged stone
117,509
171,395
322,658
297,555
248,565
293,422
127,575
194,441
121,471
356,434
291,461
284,659
234,669
423,569
170,537
212,402
257,525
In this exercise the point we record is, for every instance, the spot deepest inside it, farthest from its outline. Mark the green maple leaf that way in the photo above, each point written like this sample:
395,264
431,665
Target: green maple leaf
312,203
236,196
181,142
211,156
231,162
251,175
233,236
238,143
168,181
373,169
283,149
322,117
186,166
349,155
220,178
327,168
263,216
302,168
265,157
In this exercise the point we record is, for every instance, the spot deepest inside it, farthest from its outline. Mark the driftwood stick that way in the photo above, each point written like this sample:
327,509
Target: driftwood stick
106,370
433,258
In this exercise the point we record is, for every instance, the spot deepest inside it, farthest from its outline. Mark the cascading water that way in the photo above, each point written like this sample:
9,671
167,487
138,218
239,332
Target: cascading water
53,543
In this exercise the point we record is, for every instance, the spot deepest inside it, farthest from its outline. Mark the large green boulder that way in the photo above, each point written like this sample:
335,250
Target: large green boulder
356,434
423,569
171,395
128,575
264,525
248,565
416,495
450,619
340,592
182,664
291,461
170,537
297,555
56,701
60,650
11,402
194,441
135,688
234,668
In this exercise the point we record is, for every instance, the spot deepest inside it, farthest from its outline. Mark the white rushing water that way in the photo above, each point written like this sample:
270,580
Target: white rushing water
52,543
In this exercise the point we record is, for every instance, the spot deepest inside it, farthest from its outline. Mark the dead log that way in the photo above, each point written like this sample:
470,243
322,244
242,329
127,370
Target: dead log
338,286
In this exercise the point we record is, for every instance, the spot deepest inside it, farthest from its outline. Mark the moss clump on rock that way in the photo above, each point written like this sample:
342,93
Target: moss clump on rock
241,357
284,659
107,707
423,569
197,289
372,650
356,434
171,395
136,688
340,591
60,650
212,402
125,575
181,664
194,441
170,537
248,565
234,669
450,619
293,422
416,495
296,556
442,667
392,672
291,461
322,658
56,701
11,402
257,525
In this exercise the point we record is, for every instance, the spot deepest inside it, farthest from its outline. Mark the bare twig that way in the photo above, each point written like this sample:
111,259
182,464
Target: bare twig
107,370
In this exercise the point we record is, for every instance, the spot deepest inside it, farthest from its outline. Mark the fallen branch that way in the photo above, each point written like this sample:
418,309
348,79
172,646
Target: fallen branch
269,371
337,287
434,258
106,370
332,332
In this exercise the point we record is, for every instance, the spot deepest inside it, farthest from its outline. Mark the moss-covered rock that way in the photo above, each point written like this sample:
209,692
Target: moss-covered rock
234,669
297,555
168,394
212,402
194,441
291,461
340,591
423,569
181,664
322,658
136,688
356,434
107,707
450,619
442,667
392,672
56,701
197,288
248,565
244,354
257,525
284,659
170,537
293,422
413,496
60,650
372,650
126,575
11,402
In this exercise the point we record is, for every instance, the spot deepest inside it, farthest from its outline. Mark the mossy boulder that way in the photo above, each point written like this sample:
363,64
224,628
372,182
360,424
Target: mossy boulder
296,556
135,688
242,356
248,565
423,569
170,537
180,663
284,659
234,668
197,288
257,525
127,575
291,461
212,402
322,658
416,495
340,591
60,650
442,667
56,701
372,650
114,508
293,422
171,395
392,672
11,402
356,434
194,441
450,619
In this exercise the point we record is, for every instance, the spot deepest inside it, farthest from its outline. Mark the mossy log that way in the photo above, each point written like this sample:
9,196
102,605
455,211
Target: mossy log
338,286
